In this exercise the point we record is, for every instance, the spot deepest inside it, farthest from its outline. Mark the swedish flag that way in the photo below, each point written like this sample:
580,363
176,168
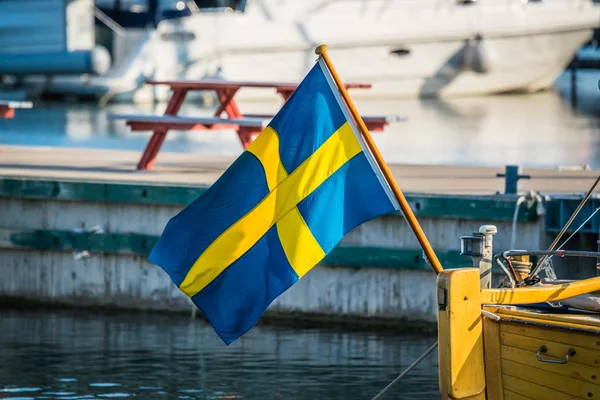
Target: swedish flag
306,181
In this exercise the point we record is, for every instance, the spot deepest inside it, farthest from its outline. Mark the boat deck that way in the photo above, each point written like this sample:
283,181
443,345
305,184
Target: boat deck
571,319
193,169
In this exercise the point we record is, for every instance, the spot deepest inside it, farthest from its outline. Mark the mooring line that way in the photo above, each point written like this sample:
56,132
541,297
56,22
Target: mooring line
406,371
537,268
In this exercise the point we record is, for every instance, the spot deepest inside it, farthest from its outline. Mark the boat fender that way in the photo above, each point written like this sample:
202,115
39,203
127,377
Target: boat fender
477,55
100,59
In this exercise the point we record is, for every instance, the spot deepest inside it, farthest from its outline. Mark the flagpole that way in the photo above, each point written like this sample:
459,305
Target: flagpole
410,217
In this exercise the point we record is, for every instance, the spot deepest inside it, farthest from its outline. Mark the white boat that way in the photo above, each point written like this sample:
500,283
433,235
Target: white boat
405,48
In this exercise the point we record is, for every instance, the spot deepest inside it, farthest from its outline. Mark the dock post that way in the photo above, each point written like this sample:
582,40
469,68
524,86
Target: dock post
512,175
574,82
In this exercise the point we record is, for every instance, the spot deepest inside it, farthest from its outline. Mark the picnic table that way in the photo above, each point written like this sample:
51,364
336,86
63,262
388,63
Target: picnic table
7,108
247,126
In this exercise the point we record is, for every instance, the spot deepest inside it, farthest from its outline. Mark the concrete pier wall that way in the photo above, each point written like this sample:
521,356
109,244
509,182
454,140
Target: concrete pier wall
84,243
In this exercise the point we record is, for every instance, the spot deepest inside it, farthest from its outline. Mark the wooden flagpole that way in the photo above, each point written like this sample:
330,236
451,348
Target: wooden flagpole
410,216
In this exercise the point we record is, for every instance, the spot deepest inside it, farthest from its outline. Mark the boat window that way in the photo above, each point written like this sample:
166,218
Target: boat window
134,6
140,13
238,5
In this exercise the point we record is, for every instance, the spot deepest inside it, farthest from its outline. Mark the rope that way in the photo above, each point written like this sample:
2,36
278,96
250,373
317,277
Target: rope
547,260
577,230
539,208
564,229
513,236
406,371
574,233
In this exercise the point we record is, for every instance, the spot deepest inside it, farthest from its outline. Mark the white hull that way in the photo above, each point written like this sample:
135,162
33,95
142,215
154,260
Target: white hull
404,48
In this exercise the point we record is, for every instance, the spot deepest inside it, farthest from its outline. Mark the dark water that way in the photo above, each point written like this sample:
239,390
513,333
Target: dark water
68,355
543,129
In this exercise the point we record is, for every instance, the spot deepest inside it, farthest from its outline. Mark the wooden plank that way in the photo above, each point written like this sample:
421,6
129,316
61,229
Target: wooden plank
589,341
493,366
367,119
542,294
583,319
532,391
167,126
585,355
571,369
183,120
576,321
550,380
251,120
374,123
135,243
508,395
212,84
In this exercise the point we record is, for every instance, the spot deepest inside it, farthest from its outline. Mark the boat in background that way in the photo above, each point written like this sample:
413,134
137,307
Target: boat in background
405,48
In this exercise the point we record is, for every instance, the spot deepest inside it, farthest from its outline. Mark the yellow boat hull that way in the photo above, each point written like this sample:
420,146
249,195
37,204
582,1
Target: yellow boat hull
496,351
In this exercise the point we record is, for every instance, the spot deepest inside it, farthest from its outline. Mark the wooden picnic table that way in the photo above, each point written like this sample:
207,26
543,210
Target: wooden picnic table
7,107
247,126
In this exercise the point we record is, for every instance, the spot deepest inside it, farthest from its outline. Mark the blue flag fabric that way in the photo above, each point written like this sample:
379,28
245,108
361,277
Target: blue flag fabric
306,181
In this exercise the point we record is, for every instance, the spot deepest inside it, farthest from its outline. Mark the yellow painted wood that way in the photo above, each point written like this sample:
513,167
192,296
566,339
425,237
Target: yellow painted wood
589,341
479,396
583,356
460,334
585,321
443,357
542,294
508,395
550,380
533,391
571,369
493,367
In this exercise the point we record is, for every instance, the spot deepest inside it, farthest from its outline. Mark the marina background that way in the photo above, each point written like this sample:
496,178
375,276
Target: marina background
100,352
542,129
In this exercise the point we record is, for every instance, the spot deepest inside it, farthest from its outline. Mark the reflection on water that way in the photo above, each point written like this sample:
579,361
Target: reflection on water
540,129
80,356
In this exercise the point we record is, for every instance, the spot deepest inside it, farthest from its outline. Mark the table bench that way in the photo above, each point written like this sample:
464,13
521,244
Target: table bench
7,108
246,126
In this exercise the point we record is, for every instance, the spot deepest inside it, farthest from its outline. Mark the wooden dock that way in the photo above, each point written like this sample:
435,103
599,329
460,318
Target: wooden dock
193,169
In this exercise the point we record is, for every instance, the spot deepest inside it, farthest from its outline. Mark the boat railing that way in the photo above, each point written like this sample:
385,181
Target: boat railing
558,253
505,261
109,22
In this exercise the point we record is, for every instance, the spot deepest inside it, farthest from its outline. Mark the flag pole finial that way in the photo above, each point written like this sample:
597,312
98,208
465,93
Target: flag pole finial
322,49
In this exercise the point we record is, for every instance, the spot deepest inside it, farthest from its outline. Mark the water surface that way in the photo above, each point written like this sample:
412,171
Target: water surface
79,355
